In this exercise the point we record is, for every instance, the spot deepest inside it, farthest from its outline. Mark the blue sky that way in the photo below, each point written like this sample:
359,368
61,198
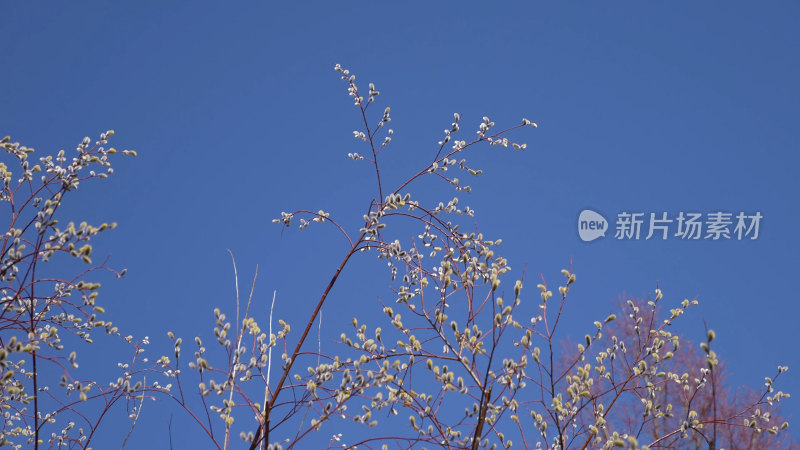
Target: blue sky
237,115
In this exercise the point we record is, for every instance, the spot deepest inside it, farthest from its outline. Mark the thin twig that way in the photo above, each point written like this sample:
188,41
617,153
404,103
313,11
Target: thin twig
135,419
169,430
269,368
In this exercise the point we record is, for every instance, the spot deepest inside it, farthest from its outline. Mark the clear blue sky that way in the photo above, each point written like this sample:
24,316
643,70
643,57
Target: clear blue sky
236,114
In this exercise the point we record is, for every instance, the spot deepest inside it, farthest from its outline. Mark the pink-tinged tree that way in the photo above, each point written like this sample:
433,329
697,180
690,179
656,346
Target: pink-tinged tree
693,384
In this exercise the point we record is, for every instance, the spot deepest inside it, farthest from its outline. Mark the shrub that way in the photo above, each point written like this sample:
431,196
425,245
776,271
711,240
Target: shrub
46,313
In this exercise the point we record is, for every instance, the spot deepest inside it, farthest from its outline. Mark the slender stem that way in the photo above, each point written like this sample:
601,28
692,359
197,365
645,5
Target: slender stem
485,398
262,428
299,345
35,402
374,153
